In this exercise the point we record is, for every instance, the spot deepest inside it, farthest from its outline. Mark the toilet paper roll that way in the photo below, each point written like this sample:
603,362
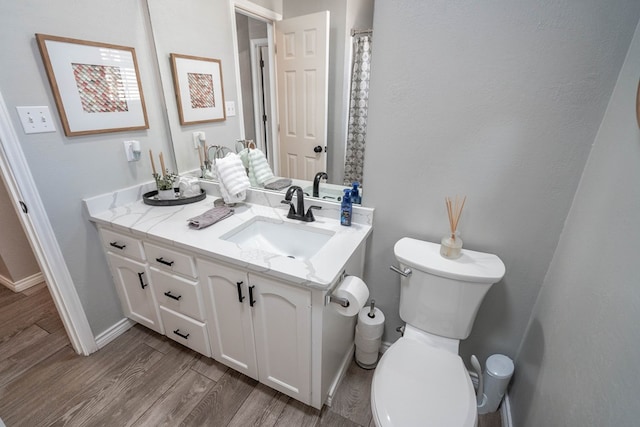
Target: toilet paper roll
354,290
363,339
366,358
370,327
368,346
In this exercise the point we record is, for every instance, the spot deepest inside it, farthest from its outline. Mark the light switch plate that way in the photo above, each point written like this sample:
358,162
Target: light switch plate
36,119
230,107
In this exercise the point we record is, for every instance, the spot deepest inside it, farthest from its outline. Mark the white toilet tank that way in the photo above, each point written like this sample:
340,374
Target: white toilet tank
442,296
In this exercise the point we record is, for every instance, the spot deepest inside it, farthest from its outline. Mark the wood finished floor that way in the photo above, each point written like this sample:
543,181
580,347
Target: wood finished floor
143,379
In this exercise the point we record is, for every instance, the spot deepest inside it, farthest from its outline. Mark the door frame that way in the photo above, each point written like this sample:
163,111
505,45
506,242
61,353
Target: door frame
22,190
259,86
268,16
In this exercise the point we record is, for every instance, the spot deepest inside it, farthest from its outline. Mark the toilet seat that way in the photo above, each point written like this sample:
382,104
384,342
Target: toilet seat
416,384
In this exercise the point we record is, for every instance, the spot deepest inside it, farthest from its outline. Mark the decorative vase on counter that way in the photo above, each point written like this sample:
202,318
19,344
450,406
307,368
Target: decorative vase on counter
451,246
169,194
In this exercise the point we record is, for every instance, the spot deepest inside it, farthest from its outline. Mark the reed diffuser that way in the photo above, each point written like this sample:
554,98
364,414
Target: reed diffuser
451,244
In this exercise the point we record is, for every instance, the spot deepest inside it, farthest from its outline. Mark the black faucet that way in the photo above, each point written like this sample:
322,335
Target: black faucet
299,212
316,183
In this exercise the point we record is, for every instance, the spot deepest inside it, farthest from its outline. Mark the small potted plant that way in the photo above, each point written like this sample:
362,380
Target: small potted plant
164,181
165,184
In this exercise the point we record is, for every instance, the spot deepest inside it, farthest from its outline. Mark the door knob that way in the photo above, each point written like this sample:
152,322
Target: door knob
317,149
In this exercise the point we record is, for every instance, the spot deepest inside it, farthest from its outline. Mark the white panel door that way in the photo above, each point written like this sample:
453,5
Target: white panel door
229,314
302,69
282,325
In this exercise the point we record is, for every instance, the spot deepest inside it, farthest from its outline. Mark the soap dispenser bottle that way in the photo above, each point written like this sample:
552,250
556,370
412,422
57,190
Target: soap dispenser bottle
346,208
355,193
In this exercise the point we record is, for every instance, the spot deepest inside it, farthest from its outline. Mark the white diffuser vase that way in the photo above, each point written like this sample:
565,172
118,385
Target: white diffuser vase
451,246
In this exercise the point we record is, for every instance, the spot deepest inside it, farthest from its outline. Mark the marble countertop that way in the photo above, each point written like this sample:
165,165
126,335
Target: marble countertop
168,225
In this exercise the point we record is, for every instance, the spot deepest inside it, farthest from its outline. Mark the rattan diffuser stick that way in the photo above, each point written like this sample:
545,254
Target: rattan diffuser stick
454,210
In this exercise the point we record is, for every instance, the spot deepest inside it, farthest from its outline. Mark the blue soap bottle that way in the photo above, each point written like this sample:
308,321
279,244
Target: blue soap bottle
346,208
355,193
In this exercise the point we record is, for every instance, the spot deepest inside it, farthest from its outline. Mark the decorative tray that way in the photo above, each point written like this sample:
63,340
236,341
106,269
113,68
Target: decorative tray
151,198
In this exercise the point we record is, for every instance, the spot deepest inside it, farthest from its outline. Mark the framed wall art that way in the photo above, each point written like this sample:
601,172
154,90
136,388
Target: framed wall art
96,85
198,86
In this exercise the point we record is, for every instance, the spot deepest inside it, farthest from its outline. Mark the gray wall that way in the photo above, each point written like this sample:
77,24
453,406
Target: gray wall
578,364
17,261
499,101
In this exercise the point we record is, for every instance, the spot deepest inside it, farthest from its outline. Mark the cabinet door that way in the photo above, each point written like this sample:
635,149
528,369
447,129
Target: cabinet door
133,286
282,325
229,314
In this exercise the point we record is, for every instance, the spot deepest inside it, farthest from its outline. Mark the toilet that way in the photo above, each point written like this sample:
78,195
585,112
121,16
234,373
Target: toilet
421,380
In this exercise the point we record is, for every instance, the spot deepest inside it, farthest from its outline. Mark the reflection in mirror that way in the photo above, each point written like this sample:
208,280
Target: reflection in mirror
209,29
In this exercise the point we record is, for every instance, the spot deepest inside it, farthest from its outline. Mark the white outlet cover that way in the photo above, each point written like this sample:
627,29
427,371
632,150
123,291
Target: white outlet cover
36,119
230,108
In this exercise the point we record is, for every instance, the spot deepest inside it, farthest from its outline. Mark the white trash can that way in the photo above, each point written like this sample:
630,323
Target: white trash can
497,374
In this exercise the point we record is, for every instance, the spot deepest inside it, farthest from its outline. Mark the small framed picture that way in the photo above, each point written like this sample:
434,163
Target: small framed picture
96,85
198,86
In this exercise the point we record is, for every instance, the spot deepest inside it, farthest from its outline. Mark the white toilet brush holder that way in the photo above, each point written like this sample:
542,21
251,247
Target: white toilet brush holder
493,383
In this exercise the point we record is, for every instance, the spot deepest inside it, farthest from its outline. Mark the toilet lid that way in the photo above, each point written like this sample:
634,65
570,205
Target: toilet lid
416,384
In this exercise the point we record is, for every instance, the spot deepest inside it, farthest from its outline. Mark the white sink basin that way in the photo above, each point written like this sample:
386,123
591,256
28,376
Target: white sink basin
298,241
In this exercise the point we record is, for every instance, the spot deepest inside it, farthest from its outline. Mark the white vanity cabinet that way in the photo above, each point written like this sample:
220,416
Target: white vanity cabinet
284,334
260,327
131,276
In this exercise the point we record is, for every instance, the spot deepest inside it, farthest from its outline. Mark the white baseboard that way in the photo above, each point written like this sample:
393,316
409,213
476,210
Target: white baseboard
114,332
22,284
505,412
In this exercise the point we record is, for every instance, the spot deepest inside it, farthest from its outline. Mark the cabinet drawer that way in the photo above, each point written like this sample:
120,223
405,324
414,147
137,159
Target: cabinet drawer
122,244
186,331
177,294
171,260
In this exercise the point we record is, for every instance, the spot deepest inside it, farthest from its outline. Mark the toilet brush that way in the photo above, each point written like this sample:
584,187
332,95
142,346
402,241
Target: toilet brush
480,393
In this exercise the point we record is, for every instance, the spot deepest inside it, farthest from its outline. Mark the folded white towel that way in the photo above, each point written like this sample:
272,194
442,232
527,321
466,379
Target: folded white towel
259,170
232,178
244,156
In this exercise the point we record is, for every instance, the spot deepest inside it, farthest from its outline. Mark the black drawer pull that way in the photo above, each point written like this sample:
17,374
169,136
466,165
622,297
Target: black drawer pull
240,296
170,295
177,332
142,284
163,261
251,300
116,245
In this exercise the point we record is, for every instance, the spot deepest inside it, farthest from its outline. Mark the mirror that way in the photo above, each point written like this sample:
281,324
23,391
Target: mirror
208,29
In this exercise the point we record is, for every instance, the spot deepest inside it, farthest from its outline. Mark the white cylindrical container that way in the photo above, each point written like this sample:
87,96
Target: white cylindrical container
369,336
497,374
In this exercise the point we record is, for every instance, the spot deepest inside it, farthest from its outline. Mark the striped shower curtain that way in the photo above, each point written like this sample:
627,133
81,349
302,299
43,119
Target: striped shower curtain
358,107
